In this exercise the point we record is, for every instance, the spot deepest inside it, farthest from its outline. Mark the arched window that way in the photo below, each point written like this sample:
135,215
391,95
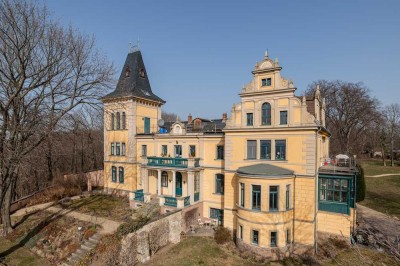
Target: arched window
114,174
164,179
123,120
121,174
266,114
112,121
118,121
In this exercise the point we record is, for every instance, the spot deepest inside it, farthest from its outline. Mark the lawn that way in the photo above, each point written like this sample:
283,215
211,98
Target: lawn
375,167
205,251
198,251
113,208
383,193
21,256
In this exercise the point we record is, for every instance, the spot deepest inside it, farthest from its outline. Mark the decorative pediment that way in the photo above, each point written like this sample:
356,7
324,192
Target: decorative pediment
178,128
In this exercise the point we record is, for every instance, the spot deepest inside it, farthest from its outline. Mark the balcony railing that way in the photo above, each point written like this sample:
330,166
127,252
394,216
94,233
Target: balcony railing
173,162
186,201
139,195
170,201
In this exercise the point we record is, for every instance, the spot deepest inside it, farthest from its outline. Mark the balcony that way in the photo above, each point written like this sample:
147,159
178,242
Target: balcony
173,162
179,202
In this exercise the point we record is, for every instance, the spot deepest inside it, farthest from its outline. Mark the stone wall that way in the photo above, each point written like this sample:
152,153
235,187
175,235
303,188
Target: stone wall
139,246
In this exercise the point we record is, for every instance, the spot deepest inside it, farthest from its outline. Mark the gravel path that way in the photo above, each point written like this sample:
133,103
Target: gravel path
382,175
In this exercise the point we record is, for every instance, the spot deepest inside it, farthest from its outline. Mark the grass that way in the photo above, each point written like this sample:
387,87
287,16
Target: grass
383,193
21,256
198,251
375,167
193,251
106,206
361,257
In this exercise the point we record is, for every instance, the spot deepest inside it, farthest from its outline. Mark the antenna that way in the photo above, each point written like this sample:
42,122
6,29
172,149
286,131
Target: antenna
160,122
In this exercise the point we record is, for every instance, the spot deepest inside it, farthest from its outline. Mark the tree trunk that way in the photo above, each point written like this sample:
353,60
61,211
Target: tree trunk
50,159
5,212
392,153
383,155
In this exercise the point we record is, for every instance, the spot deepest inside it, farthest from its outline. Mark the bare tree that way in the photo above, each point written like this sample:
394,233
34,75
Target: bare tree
350,112
45,72
392,117
168,117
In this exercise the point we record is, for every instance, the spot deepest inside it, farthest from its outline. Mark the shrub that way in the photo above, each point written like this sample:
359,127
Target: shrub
222,235
360,184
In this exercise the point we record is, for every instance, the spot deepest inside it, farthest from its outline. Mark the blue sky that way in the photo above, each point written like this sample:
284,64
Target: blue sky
198,54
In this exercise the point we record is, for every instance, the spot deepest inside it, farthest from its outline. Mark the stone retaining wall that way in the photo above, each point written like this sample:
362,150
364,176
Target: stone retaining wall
139,246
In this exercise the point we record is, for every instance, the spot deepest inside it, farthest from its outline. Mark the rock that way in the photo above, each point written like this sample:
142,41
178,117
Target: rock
360,239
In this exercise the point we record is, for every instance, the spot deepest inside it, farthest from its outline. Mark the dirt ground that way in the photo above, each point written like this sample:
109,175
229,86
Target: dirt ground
387,225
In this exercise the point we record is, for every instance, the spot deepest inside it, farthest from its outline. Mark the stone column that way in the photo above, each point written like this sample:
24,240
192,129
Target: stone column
190,184
173,184
159,182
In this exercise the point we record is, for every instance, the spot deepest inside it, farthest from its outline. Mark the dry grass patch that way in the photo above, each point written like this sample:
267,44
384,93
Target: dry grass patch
107,206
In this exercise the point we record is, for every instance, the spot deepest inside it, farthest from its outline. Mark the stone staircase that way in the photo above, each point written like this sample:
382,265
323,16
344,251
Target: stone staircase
80,253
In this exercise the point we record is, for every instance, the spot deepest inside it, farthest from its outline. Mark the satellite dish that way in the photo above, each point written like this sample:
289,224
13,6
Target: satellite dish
160,122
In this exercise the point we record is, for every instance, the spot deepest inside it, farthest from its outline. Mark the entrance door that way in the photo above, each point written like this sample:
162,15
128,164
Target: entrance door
178,184
146,125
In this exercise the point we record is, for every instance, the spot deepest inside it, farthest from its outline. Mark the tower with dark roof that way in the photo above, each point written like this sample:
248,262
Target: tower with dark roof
131,109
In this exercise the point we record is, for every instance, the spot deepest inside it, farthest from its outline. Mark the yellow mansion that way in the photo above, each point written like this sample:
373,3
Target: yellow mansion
257,171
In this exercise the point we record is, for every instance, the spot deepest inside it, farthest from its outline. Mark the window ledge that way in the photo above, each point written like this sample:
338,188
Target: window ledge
218,194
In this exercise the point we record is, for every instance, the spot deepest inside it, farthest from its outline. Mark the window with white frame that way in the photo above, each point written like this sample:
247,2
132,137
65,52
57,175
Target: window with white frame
251,149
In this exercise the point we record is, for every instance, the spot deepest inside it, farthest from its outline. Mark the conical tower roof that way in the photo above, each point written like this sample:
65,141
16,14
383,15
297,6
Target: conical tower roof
133,81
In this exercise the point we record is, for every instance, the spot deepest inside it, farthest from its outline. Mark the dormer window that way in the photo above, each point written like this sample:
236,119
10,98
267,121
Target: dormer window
266,82
141,73
127,72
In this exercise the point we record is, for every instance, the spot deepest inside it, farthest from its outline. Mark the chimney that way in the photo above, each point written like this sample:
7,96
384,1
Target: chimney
224,117
190,119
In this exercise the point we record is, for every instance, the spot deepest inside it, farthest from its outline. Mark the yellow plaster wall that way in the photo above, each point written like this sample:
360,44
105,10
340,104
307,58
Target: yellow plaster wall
335,223
304,209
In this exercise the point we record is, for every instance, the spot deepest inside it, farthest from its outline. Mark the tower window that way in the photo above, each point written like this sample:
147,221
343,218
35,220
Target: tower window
123,120
127,72
118,121
266,82
141,73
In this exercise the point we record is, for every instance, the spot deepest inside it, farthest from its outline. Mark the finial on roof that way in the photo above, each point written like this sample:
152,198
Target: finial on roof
177,118
256,65
276,61
134,48
130,47
266,54
303,100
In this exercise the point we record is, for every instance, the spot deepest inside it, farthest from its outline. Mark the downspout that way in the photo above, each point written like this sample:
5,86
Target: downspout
316,191
294,209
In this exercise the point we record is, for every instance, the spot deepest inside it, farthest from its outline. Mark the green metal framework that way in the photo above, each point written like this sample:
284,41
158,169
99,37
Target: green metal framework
139,195
170,201
186,201
337,194
171,162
